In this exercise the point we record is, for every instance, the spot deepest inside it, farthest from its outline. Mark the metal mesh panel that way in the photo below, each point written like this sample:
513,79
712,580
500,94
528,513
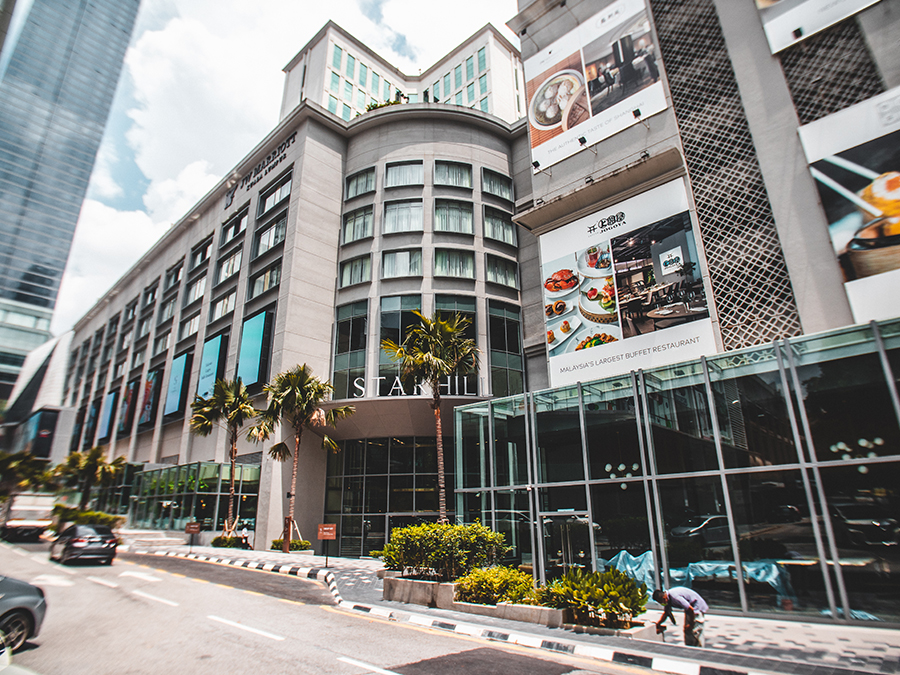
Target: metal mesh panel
830,71
749,277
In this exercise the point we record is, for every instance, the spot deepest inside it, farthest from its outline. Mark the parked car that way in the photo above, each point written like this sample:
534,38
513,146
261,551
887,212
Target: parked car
785,513
85,542
22,609
866,524
709,530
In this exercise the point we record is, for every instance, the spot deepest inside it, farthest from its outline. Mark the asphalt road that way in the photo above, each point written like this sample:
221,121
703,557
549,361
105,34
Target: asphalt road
152,615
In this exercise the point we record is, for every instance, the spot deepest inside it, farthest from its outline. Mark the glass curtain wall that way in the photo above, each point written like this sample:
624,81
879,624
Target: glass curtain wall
766,479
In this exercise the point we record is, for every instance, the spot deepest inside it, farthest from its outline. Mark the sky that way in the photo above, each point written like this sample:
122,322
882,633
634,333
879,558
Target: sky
201,86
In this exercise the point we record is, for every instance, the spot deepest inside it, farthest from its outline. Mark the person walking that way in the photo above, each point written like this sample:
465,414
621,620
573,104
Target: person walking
694,607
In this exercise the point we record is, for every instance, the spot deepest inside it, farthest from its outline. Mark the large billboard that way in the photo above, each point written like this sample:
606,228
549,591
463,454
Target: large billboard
854,156
623,289
788,21
595,81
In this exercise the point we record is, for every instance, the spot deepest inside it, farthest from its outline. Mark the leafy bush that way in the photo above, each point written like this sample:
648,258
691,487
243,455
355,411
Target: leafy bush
490,585
66,515
296,545
442,551
611,598
228,542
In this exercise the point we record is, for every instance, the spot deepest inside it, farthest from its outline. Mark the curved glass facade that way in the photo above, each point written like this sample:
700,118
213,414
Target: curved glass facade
765,478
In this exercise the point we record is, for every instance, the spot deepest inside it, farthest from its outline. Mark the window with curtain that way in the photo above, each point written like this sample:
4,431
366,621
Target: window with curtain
189,327
470,93
482,59
457,77
356,271
222,306
357,224
498,225
404,173
345,113
363,74
271,236
454,174
332,104
275,195
351,66
453,216
407,263
483,104
228,266
405,216
470,68
336,57
482,84
376,82
360,99
263,281
501,271
195,291
452,263
348,91
496,184
360,183
335,83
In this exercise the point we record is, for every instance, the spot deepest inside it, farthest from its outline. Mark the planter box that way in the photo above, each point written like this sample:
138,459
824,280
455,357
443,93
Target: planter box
419,592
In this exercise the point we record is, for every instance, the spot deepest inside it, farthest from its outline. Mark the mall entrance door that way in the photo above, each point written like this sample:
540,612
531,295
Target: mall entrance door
566,542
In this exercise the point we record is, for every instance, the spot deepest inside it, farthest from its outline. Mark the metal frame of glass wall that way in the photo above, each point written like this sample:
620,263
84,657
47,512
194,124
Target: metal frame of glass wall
169,498
768,478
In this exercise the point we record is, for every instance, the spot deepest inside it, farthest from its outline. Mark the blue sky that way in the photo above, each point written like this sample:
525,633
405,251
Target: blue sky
201,85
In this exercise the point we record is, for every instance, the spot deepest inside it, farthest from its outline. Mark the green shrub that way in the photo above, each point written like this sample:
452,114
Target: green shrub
611,598
296,545
442,551
490,585
69,515
227,542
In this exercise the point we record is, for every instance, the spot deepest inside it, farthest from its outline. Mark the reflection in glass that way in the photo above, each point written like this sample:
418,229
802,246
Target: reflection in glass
559,451
611,429
620,519
509,450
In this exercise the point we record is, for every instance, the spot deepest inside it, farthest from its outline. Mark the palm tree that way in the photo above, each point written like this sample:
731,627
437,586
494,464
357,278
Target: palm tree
430,352
18,472
229,407
296,397
84,470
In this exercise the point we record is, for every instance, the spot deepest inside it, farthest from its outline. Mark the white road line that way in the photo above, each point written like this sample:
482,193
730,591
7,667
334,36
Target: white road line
234,624
140,575
153,597
103,582
368,666
40,559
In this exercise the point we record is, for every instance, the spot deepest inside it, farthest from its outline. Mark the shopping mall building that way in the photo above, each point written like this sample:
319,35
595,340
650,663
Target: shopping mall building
674,227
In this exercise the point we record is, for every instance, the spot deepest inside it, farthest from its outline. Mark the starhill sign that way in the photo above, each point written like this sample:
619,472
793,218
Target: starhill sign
267,165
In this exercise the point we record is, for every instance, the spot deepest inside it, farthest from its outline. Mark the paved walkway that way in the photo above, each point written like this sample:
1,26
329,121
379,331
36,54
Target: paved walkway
733,644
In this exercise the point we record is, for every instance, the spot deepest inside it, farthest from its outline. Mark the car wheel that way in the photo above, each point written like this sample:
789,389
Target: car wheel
107,561
16,626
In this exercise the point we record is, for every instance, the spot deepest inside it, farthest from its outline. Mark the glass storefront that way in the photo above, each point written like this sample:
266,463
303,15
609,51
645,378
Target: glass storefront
768,479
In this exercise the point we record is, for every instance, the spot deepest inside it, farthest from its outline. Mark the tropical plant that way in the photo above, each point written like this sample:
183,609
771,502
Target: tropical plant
296,545
611,598
66,515
85,470
230,407
430,352
490,585
21,471
296,397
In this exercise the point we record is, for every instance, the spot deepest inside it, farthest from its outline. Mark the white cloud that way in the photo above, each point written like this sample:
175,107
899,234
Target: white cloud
103,185
169,199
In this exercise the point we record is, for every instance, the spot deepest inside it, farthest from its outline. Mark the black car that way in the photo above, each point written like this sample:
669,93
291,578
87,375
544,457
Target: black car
85,542
22,609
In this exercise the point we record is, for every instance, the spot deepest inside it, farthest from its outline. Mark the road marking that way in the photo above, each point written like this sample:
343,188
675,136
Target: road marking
40,559
200,581
103,582
234,624
140,575
368,666
52,580
153,597
253,592
292,602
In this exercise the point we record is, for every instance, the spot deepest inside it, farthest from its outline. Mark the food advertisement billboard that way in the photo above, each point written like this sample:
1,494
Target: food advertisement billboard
788,21
854,157
592,83
623,289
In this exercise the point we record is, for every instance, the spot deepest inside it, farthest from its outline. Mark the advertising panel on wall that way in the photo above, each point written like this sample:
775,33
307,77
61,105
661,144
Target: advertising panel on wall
176,392
150,398
126,411
253,355
592,83
106,415
788,21
623,289
854,156
211,364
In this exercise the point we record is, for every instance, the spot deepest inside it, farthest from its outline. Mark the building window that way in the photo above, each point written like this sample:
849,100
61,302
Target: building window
484,104
195,291
350,349
137,359
264,281
201,254
505,341
345,113
412,98
356,271
358,224
457,77
397,316
336,57
270,236
470,93
234,227
482,59
405,216
436,90
482,84
459,98
499,226
470,68
161,343
228,266
452,216
166,310
351,66
404,173
335,83
275,195
453,263
222,306
348,91
387,90
332,104
125,340
361,183
376,82
149,296
360,99
496,184
119,370
143,327
454,174
406,263
189,327
173,276
501,271
363,74
447,88
130,311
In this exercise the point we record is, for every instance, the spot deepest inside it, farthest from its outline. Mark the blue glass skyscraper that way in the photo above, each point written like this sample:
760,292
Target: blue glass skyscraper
59,67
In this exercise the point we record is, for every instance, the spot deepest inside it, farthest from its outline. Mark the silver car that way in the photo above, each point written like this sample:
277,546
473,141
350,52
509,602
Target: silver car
22,609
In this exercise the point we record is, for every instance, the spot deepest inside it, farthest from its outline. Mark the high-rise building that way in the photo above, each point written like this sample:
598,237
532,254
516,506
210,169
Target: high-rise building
59,67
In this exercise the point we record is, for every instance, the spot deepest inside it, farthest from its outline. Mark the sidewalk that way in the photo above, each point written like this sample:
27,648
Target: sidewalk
733,644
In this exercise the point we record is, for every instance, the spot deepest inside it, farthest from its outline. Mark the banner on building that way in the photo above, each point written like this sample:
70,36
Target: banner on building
623,289
854,157
788,21
592,83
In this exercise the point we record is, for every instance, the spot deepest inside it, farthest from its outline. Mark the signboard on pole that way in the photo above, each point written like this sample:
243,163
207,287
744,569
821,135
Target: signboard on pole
327,531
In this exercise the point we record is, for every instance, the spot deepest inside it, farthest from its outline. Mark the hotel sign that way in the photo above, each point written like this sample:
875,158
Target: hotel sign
266,166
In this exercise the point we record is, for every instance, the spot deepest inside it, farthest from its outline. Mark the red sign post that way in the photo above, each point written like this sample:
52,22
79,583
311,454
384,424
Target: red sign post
327,531
191,529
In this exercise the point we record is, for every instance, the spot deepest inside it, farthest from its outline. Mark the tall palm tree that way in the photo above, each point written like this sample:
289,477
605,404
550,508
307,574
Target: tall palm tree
430,352
229,407
84,470
296,397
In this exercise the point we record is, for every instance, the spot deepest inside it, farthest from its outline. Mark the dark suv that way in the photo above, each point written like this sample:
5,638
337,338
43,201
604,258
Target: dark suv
85,542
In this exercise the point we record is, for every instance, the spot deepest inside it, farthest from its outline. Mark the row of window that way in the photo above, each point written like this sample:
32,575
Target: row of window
408,216
361,75
447,263
457,82
450,174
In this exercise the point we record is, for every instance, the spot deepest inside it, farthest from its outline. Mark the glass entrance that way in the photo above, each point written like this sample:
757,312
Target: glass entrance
567,542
